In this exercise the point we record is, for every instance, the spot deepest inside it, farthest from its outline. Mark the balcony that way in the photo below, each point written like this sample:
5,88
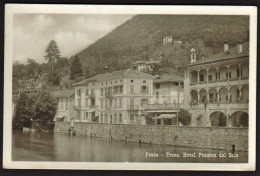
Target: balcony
144,92
219,83
218,106
109,94
132,107
165,106
92,96
92,107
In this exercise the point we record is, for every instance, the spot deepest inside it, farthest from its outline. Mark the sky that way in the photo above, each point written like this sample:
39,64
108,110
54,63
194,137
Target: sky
72,32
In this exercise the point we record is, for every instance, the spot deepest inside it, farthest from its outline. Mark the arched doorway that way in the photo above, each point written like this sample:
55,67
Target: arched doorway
223,95
213,95
234,72
234,95
245,94
193,77
203,95
194,96
223,73
212,74
239,119
244,70
218,119
203,75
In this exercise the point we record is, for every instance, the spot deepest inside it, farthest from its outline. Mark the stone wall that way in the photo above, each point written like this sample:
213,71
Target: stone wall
198,137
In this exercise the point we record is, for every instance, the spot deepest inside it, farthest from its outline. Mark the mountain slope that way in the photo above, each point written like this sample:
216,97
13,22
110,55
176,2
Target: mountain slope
142,37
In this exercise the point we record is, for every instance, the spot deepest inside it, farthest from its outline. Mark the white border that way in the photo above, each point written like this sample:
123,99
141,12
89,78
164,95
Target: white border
10,9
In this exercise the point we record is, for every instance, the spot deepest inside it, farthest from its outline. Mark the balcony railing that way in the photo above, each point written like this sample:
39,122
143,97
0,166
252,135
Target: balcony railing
108,94
92,95
132,107
165,106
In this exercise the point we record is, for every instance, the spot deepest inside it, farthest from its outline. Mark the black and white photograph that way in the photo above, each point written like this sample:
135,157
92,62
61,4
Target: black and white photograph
130,87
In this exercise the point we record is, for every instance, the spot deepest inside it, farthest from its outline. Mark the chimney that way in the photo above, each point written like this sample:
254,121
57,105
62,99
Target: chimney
225,46
239,47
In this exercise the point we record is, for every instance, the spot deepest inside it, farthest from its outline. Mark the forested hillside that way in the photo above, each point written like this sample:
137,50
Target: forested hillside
142,37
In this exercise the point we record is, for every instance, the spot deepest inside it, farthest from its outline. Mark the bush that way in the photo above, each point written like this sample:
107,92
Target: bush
184,117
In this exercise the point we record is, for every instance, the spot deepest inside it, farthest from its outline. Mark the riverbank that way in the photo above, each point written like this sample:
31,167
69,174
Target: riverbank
219,138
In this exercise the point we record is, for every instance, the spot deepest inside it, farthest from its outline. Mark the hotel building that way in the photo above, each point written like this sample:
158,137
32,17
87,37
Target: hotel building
117,97
216,88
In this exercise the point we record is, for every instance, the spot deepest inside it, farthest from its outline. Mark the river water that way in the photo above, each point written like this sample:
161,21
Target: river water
34,146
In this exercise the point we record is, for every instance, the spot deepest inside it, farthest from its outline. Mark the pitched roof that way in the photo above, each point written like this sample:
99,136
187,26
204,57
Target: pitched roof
230,54
168,78
63,93
128,73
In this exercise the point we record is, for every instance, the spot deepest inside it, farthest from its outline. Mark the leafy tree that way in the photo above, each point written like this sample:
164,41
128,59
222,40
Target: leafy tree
76,68
23,112
184,117
53,53
44,109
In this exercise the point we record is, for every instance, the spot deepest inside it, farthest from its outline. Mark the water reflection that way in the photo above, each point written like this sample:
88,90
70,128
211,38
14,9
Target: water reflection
62,147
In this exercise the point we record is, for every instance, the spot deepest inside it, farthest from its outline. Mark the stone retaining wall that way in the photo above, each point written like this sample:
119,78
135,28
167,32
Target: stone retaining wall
198,137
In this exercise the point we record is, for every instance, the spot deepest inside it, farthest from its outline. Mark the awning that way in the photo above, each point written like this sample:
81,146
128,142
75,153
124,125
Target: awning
165,116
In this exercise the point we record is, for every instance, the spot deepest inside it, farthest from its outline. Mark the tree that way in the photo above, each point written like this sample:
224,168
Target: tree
76,68
184,117
53,53
44,109
23,112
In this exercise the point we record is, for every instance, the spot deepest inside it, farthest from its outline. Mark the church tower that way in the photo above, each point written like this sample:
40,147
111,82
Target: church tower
192,55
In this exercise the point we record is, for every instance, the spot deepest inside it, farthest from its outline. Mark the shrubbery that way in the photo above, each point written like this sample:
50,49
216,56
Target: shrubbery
40,108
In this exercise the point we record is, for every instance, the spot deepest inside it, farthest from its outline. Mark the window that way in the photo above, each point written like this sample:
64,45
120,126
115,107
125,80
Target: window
110,102
157,94
105,118
132,117
92,91
115,118
121,88
101,118
111,118
61,103
120,118
101,103
144,81
120,103
144,89
86,115
229,74
79,103
86,92
216,76
115,103
132,81
66,104
238,73
201,78
132,88
78,92
86,102
92,102
101,90
157,86
144,102
210,77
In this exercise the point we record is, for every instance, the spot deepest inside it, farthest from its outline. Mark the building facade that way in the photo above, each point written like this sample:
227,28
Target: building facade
167,99
117,97
216,88
65,99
